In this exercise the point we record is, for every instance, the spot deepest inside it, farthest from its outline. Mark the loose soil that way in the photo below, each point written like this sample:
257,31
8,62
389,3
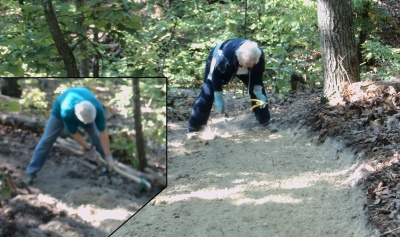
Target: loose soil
240,180
67,198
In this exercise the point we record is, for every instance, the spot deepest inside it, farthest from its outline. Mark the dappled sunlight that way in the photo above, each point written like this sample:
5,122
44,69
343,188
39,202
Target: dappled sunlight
96,215
102,88
175,144
205,194
93,214
275,136
241,192
240,138
253,178
270,198
236,195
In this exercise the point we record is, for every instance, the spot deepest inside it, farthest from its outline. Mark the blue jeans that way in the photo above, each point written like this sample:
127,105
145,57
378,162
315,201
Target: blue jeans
54,127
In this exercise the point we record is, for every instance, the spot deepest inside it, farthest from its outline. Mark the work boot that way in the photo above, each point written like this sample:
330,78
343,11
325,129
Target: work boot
28,179
270,127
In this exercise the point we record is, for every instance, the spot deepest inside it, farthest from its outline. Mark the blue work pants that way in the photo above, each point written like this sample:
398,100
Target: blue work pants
53,129
204,102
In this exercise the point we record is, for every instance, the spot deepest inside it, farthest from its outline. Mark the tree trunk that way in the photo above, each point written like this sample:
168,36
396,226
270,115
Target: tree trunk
96,58
62,47
339,51
364,29
138,125
11,88
84,62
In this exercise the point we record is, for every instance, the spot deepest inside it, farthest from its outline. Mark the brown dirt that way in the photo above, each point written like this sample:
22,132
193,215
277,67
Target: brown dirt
213,190
66,199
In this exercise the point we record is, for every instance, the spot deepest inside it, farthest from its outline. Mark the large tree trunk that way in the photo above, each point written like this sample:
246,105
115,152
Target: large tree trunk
339,51
62,47
138,125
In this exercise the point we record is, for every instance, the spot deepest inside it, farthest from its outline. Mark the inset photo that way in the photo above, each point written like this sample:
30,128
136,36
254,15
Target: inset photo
78,157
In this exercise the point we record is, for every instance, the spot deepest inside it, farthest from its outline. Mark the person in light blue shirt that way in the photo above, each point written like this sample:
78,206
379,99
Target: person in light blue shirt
76,107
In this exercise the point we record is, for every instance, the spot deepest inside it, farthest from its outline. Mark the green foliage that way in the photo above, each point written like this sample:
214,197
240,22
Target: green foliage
382,59
27,48
34,100
153,111
387,59
286,30
153,99
10,106
173,38
124,147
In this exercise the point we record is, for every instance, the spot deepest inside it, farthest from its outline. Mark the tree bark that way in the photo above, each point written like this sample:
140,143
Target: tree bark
364,29
96,58
62,47
138,125
339,51
84,62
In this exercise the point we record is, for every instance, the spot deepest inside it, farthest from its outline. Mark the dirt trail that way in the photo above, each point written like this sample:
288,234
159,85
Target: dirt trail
248,182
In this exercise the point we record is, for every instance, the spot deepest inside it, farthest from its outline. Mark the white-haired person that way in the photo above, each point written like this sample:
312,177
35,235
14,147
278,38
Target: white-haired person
76,107
236,57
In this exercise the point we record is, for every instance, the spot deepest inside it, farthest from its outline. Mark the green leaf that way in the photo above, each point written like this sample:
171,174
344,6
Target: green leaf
16,70
5,192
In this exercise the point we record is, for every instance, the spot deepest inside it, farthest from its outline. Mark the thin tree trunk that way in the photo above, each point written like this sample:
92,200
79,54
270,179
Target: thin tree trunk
84,62
339,51
96,58
62,47
138,125
364,29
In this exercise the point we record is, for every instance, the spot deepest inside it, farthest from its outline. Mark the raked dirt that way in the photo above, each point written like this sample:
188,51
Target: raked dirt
247,182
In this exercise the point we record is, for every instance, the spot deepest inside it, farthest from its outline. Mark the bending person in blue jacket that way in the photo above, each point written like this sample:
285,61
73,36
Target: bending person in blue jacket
235,57
76,107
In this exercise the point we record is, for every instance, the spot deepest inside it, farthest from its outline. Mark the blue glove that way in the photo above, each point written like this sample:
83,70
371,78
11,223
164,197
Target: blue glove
219,102
258,92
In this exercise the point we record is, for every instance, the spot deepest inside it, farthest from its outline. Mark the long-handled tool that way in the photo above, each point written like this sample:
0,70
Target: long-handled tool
72,146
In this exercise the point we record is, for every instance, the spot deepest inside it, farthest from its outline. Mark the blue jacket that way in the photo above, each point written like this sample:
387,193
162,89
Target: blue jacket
227,65
64,109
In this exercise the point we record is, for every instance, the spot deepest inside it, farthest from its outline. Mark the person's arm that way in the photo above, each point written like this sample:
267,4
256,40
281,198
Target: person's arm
105,143
80,140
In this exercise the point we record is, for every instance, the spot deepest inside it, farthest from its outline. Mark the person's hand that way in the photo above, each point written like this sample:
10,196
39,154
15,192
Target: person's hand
219,102
110,161
258,92
92,153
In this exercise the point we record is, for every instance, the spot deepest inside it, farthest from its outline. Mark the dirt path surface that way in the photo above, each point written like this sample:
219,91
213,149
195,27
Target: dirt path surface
247,182
67,199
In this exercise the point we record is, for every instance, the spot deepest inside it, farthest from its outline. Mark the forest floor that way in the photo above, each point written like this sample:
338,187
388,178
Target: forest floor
68,199
329,171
